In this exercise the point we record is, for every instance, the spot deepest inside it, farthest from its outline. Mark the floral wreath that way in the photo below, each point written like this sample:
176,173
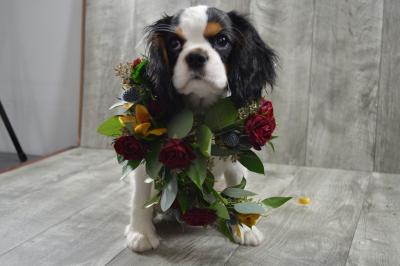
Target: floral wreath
179,155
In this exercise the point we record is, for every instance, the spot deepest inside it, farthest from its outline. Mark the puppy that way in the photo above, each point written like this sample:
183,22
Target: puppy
196,57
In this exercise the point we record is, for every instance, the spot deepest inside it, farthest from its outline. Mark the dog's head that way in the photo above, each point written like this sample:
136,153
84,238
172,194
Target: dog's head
203,53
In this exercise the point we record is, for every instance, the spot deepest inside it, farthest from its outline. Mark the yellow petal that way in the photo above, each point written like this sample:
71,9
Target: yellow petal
237,231
248,219
127,105
157,131
142,115
126,119
142,128
304,200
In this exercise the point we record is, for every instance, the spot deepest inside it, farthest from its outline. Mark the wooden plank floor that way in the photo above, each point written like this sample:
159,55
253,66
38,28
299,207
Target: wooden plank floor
71,209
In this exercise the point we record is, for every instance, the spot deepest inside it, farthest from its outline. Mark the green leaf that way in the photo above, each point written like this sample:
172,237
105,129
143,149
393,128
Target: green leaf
222,114
183,202
168,194
111,127
221,210
224,229
128,167
249,208
251,161
180,125
197,170
272,145
237,192
242,183
120,158
137,73
276,202
152,201
204,139
153,165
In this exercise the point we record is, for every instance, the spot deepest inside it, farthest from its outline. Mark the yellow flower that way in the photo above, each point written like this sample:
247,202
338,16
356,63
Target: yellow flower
304,200
248,219
141,122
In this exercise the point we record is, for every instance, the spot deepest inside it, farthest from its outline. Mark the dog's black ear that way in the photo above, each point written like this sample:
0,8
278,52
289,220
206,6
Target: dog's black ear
158,70
251,65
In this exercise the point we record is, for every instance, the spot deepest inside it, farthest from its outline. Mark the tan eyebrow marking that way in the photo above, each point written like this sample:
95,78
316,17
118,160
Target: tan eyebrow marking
179,33
212,29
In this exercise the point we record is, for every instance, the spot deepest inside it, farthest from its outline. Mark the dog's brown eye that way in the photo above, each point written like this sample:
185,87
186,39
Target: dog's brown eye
221,41
175,44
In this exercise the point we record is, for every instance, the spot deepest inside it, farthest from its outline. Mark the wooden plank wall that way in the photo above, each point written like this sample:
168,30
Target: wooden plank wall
387,156
337,98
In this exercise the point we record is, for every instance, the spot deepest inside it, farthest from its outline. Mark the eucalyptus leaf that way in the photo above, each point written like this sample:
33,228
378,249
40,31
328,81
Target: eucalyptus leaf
152,202
276,202
153,165
112,127
197,170
180,125
237,192
168,194
117,104
222,114
204,139
249,208
251,161
242,183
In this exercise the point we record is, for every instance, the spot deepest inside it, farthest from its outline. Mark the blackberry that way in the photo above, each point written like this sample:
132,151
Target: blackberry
231,140
130,95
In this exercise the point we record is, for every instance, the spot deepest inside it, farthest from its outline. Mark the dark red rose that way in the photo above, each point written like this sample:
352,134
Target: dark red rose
176,154
136,62
266,108
259,128
199,217
130,148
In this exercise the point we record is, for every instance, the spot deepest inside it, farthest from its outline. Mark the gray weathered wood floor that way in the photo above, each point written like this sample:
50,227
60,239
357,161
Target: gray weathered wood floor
71,209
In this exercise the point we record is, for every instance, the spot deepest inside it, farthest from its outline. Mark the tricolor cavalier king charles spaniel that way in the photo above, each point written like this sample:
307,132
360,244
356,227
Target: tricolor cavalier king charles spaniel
196,57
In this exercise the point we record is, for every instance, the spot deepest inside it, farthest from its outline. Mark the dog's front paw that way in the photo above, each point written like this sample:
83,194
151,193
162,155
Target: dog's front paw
141,241
248,236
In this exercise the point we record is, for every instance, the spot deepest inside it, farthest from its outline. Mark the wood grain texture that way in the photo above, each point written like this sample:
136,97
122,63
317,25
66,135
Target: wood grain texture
344,82
110,40
376,241
241,6
38,196
387,157
318,234
287,27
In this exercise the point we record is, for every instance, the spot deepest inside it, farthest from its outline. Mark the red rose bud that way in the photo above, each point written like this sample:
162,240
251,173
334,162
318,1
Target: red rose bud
266,108
259,128
199,217
176,154
130,148
136,62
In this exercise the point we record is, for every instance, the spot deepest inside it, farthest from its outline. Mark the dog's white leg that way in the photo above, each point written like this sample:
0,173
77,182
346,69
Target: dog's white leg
234,173
140,233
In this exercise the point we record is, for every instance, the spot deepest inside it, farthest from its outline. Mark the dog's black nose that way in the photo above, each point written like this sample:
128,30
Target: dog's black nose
196,60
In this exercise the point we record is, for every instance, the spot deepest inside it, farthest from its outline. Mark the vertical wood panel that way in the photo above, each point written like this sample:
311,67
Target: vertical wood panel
110,39
387,157
241,6
344,81
286,26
